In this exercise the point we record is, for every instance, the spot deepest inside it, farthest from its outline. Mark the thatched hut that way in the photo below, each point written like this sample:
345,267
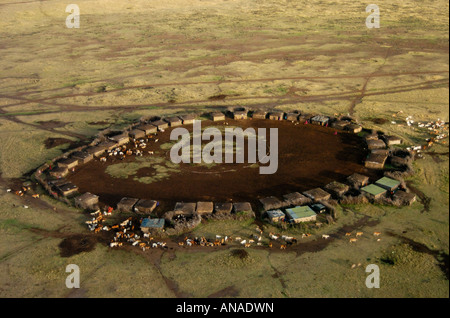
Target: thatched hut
303,118
296,198
375,161
337,189
317,194
375,144
205,207
87,201
121,139
173,121
126,204
357,180
223,208
107,145
58,182
276,115
240,114
188,119
242,207
96,151
160,124
68,163
354,128
217,116
147,129
271,203
68,189
392,140
404,198
185,207
82,157
340,124
145,206
291,116
58,172
259,114
384,152
137,133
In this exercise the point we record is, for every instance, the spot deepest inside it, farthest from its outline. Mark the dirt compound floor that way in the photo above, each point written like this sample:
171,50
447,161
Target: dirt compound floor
309,156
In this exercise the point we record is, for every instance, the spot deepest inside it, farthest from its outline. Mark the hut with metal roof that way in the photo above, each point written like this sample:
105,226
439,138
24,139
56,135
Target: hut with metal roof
318,208
87,201
126,204
275,216
152,226
388,183
320,120
301,214
373,191
317,194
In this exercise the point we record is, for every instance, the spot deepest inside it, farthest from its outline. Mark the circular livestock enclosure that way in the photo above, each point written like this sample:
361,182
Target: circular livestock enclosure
319,161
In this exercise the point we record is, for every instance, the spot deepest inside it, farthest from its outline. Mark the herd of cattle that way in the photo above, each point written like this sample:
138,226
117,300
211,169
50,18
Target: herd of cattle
128,233
136,147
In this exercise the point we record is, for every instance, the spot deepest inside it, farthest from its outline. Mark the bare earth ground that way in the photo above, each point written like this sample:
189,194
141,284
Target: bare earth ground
302,165
59,86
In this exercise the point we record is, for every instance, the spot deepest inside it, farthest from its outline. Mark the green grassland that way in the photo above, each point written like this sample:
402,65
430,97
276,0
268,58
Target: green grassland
158,58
